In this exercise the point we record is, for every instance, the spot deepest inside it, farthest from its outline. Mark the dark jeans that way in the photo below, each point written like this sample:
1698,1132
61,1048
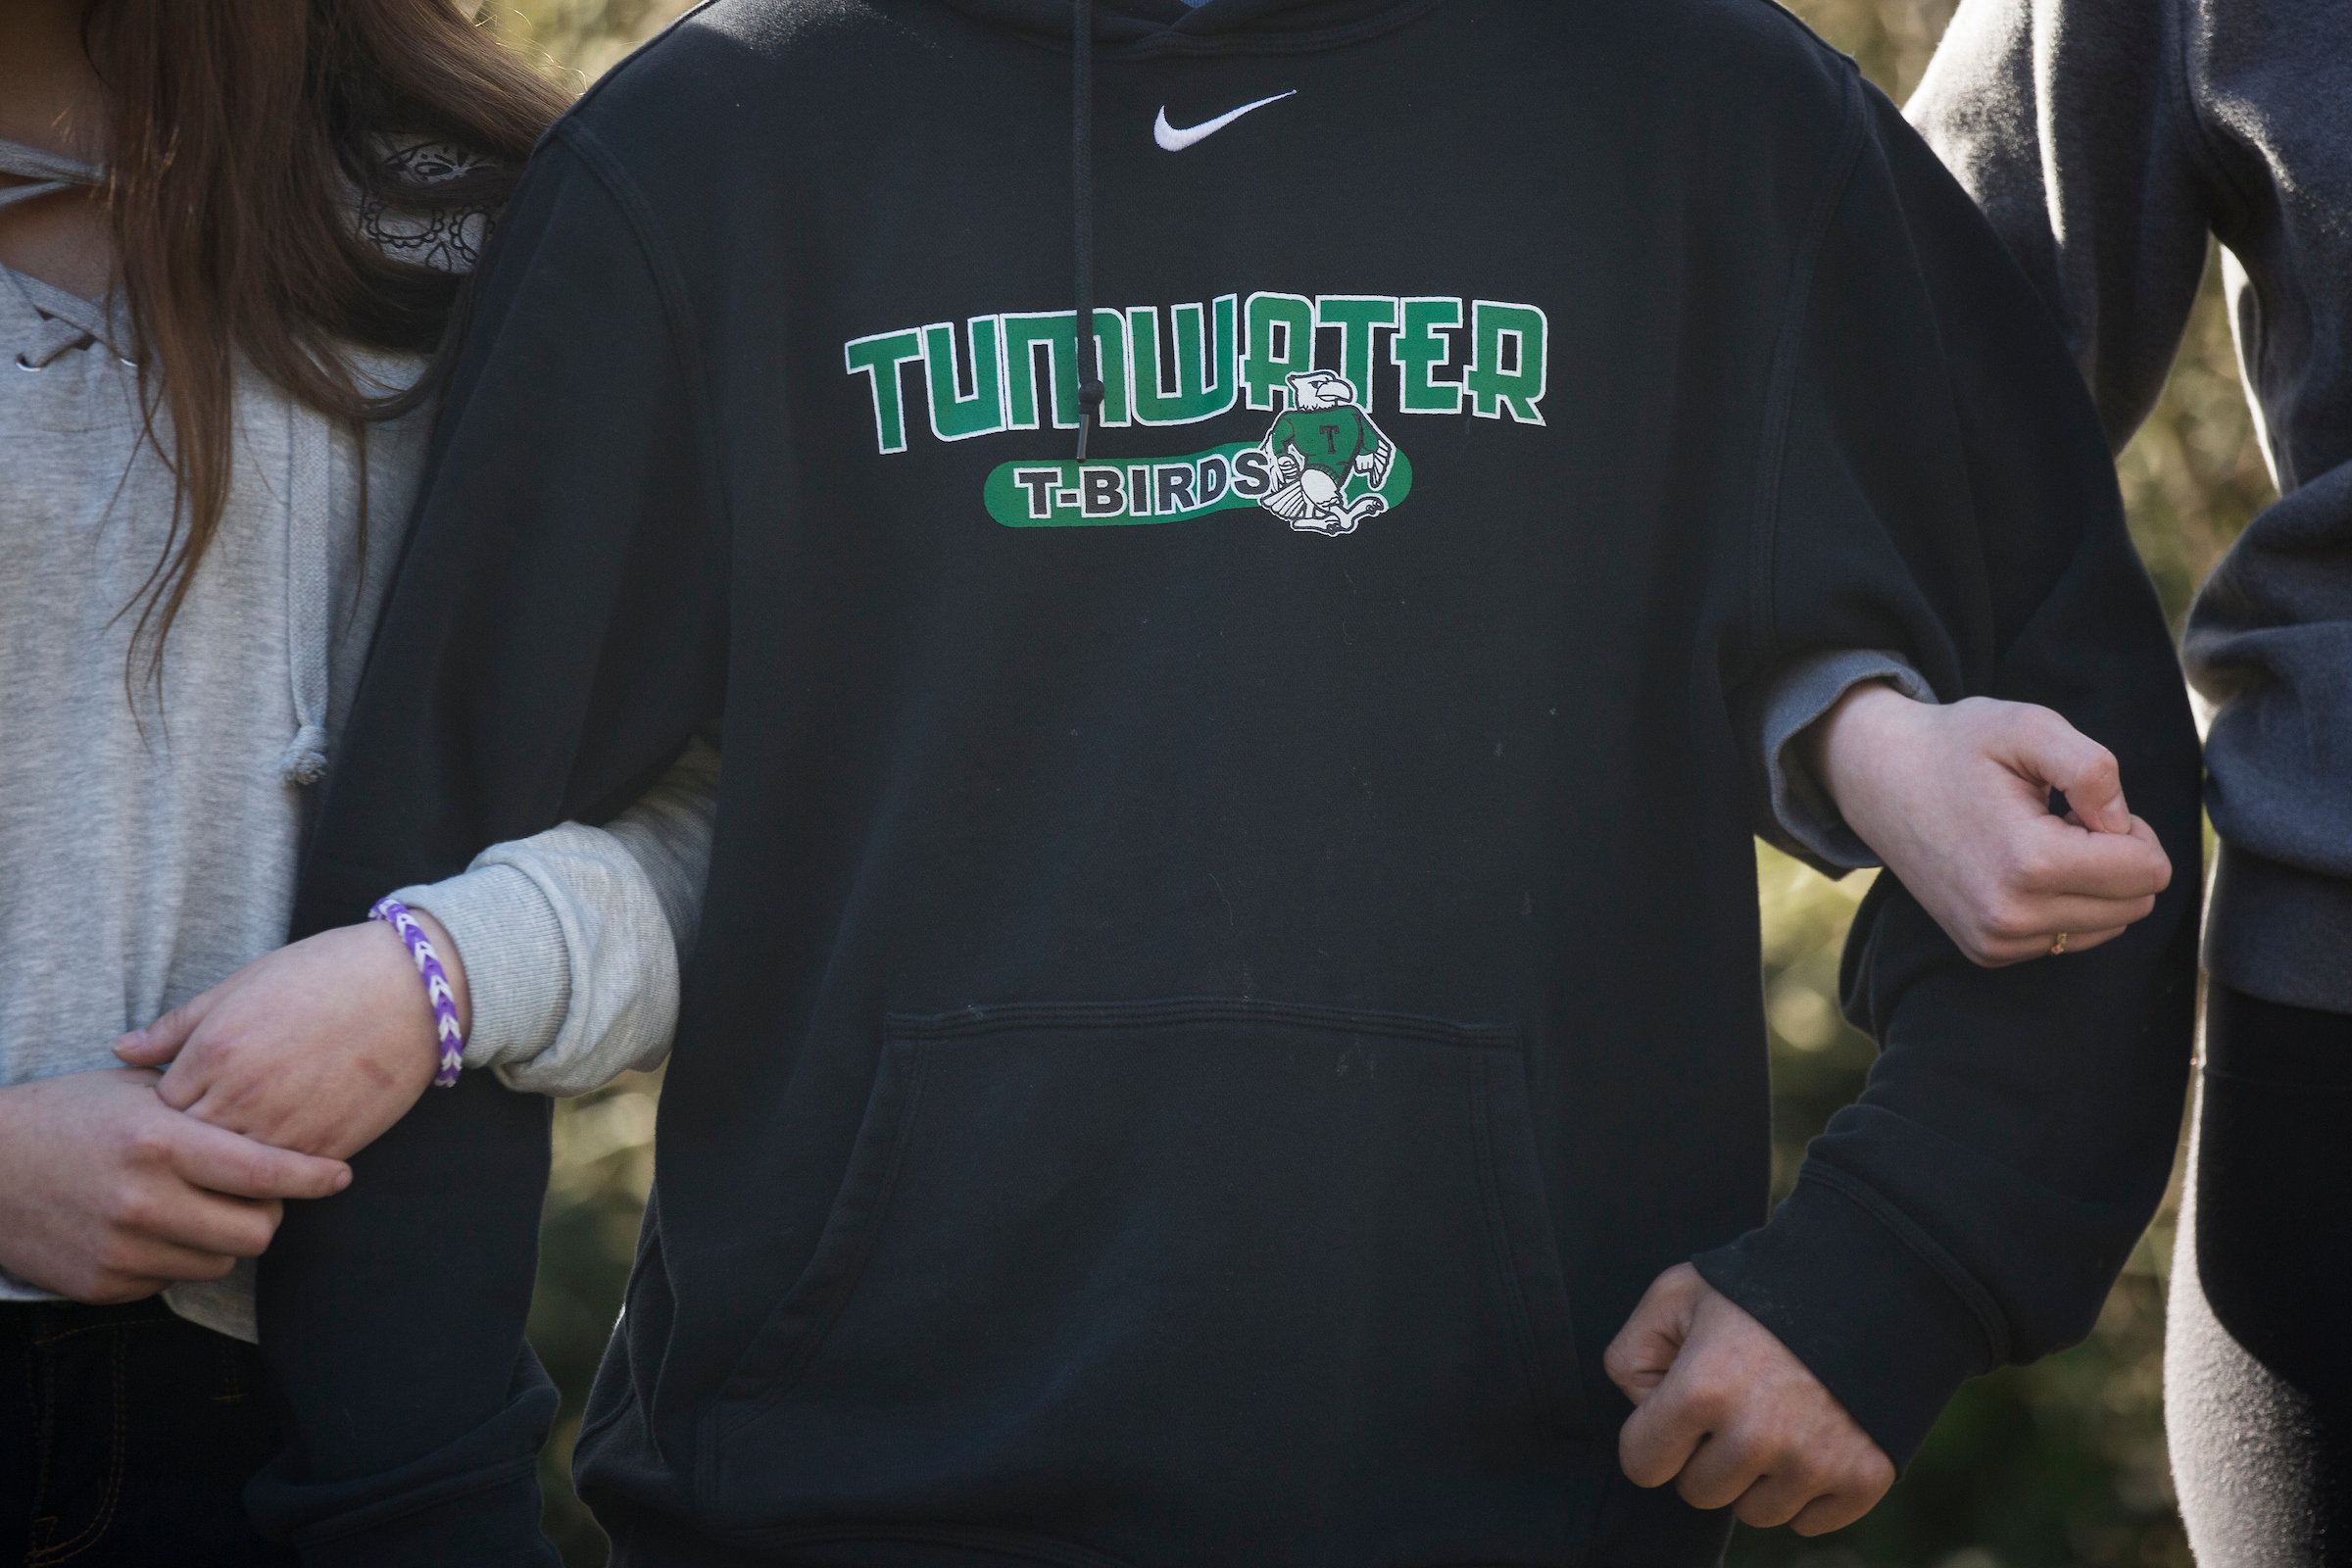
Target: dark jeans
126,1438
2258,1359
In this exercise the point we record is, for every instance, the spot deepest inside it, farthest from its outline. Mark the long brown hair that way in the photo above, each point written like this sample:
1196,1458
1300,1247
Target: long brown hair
238,131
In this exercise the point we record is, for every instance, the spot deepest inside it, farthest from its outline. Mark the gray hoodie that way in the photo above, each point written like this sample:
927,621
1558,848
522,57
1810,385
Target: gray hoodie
148,848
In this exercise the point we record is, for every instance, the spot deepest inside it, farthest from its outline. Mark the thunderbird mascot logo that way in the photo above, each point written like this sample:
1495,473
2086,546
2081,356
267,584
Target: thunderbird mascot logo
1321,443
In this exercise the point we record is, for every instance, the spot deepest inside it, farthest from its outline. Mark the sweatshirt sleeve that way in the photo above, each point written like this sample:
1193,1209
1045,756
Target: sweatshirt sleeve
556,634
2071,124
572,939
1802,819
1945,492
2060,117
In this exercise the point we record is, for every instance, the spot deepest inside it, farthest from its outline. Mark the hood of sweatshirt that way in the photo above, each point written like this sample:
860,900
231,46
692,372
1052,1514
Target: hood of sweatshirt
1230,961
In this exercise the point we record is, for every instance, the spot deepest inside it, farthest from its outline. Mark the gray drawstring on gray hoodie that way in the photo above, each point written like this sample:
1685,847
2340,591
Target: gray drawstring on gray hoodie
310,498
51,172
309,479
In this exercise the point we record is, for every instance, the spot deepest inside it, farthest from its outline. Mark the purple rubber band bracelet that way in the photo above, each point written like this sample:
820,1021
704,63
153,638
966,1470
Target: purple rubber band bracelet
436,986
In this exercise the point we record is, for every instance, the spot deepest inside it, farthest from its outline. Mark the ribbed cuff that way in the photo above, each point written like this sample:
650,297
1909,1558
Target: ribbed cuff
517,965
1867,1301
1801,692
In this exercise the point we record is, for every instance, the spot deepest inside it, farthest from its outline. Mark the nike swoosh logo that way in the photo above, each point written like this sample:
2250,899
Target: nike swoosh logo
1176,141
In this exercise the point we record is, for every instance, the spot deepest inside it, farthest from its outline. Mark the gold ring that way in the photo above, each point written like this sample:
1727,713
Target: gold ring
2059,946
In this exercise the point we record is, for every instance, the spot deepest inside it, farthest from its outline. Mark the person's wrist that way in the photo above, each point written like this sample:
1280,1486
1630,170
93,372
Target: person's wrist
24,1160
1863,730
18,1122
390,947
453,965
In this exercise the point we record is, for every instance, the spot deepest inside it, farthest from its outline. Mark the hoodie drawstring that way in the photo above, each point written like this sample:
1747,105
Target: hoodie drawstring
52,172
1082,193
66,323
53,337
309,478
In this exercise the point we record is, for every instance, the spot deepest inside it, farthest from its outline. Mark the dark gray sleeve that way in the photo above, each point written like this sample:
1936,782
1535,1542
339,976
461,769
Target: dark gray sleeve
2269,643
1811,829
2069,123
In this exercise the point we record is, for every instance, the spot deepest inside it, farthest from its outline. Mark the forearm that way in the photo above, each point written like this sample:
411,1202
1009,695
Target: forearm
1800,815
565,628
2017,1126
1973,1209
2019,1129
572,939
1955,802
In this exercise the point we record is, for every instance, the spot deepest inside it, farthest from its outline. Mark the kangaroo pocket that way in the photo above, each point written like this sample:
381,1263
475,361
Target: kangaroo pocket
1209,1280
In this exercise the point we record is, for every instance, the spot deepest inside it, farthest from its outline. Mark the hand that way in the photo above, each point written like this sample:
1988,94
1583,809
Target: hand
318,1047
1728,1414
109,1195
1955,800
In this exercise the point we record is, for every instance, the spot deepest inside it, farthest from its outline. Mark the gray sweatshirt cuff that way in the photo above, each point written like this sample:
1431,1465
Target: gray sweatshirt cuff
1804,688
521,984
572,937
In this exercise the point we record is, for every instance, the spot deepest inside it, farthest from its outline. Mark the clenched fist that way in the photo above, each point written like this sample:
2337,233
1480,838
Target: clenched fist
1732,1418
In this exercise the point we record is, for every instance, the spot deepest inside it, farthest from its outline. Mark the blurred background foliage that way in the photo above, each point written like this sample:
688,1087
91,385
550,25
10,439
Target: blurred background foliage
2057,1465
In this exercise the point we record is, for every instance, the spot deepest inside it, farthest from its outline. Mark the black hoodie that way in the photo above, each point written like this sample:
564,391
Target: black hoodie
1228,966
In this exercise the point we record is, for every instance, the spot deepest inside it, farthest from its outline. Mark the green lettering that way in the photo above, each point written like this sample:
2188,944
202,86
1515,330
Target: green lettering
1023,332
1507,363
1207,382
879,356
1282,342
1358,316
1417,349
955,416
